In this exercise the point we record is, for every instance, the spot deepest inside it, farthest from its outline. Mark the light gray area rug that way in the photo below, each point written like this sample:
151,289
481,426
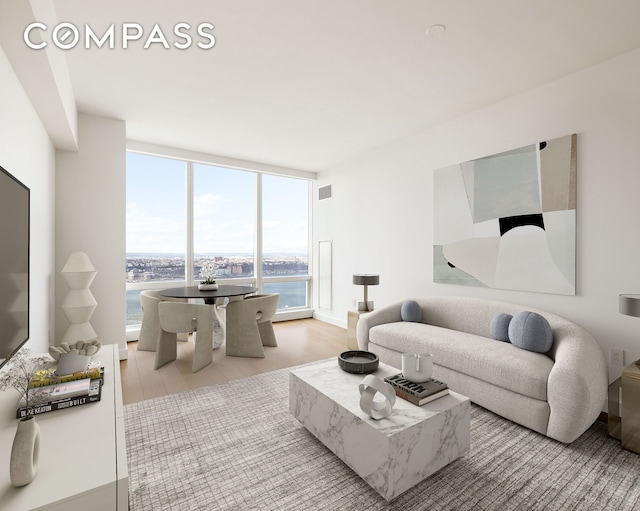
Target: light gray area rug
234,446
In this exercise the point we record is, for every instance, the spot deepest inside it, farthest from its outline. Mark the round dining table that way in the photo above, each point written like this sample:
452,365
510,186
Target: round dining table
233,292
209,296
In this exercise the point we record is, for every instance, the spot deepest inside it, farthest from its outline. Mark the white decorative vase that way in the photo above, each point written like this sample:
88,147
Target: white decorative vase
207,287
24,452
417,368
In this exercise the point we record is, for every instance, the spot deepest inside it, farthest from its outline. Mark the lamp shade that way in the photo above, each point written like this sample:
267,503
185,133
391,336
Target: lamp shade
629,305
364,279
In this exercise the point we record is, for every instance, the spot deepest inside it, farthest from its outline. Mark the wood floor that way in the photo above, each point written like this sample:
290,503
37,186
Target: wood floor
299,342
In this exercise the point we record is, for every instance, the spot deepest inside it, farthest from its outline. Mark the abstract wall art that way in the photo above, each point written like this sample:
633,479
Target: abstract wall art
508,221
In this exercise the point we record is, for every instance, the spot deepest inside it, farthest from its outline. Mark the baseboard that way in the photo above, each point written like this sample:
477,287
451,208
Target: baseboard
328,318
132,333
287,315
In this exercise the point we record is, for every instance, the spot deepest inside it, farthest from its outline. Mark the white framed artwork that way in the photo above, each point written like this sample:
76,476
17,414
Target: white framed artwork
508,221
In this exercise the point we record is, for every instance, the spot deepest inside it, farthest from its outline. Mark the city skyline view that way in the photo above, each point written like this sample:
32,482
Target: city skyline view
145,268
159,267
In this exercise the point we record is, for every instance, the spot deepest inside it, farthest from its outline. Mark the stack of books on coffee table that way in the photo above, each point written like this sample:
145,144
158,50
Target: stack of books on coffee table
417,393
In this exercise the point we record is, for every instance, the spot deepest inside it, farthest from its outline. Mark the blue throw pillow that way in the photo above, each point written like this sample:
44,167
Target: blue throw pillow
411,311
499,327
530,331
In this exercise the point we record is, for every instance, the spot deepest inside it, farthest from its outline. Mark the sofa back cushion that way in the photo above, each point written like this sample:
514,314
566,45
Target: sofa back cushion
474,315
498,363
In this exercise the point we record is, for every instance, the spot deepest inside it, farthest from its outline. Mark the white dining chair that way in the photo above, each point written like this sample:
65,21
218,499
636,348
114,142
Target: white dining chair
150,328
249,326
177,318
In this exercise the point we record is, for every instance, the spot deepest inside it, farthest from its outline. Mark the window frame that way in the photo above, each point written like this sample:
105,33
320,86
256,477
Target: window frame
258,280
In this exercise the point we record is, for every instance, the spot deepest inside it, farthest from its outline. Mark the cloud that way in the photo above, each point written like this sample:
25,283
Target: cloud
153,233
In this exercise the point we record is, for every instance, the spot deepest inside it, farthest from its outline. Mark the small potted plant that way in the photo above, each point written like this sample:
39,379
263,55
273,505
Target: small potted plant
20,371
207,272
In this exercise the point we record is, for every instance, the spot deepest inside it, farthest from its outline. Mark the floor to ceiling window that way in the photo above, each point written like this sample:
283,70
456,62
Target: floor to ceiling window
224,220
156,227
285,235
253,227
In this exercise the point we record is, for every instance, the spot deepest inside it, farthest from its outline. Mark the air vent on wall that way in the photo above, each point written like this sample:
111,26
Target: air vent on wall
324,192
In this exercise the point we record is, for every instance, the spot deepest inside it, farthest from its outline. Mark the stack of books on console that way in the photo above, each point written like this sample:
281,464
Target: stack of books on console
49,392
45,377
417,393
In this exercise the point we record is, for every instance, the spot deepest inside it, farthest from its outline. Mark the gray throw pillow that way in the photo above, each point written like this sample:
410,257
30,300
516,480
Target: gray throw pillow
499,327
530,331
411,311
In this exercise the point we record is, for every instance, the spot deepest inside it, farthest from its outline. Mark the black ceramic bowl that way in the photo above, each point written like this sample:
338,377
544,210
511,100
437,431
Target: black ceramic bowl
358,361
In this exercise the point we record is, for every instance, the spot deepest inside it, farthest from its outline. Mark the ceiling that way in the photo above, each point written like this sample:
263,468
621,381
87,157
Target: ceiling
309,84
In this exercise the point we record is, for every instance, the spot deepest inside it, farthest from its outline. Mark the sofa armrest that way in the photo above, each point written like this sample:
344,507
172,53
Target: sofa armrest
388,314
578,382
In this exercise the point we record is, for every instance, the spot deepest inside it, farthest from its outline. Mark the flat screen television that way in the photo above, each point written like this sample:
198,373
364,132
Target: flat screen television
14,265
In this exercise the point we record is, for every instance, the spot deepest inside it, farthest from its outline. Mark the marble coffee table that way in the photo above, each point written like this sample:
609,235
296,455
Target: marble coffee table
392,454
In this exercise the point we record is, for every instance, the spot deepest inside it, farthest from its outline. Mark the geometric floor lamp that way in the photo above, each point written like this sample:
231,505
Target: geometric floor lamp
79,303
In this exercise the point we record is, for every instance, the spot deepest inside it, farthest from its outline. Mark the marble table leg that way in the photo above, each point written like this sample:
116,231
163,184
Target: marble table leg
219,334
218,329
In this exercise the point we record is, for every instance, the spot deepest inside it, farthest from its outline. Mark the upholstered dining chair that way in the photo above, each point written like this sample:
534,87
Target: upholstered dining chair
249,325
150,328
177,318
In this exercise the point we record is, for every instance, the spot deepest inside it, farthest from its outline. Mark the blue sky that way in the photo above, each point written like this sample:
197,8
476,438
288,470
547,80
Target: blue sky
224,209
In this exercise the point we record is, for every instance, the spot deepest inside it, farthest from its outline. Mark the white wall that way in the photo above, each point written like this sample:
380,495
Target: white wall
381,219
28,154
90,217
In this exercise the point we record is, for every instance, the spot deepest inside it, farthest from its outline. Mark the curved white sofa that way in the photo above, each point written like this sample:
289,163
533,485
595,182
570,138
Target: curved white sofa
559,394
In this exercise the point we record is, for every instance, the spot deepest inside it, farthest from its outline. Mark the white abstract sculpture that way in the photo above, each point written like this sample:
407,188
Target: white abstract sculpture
86,348
369,387
79,303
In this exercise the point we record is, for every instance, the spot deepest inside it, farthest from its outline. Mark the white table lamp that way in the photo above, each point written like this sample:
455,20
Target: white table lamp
629,305
366,280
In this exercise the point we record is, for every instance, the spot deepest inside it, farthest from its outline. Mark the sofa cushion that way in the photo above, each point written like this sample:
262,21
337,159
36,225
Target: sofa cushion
499,327
411,311
530,331
498,363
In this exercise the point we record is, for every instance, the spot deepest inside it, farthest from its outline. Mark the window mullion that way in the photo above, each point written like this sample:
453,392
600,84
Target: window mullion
310,261
189,256
258,255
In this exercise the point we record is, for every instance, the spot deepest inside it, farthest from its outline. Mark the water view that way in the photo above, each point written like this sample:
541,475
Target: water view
142,268
292,294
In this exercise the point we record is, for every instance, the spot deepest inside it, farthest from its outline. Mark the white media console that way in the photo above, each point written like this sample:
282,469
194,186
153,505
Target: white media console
83,460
